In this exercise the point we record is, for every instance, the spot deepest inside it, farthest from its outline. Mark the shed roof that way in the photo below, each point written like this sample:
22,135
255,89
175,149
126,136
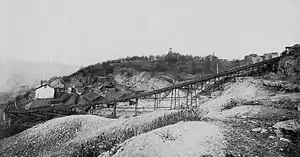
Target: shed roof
80,89
92,96
185,76
43,85
138,89
40,103
294,46
112,95
57,83
78,84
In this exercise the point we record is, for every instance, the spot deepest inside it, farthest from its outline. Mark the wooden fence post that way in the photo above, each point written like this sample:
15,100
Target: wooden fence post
155,97
175,98
171,100
136,106
115,110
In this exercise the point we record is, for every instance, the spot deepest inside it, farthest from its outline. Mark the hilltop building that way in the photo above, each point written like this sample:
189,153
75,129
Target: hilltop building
253,58
170,51
295,49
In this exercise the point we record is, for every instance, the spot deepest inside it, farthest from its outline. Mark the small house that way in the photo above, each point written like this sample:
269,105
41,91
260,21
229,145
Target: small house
113,95
295,49
267,56
274,54
44,91
58,84
79,88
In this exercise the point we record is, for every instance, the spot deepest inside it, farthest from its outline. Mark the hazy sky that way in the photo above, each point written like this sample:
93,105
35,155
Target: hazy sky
83,32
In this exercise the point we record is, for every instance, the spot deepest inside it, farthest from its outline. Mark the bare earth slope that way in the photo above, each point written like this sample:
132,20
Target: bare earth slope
188,139
64,135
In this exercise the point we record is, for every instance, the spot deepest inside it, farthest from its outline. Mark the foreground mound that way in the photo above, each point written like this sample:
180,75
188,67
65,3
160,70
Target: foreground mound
181,139
52,135
64,136
249,97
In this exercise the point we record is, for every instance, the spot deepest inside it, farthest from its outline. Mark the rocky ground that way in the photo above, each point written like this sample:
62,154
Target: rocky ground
254,117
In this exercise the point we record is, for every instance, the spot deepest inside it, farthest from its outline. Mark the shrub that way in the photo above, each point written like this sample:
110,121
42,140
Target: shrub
166,136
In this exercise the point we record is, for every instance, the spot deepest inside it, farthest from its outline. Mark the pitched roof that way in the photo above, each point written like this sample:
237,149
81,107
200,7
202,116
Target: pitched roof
40,103
80,89
112,95
57,83
78,84
138,89
43,85
185,76
294,46
91,96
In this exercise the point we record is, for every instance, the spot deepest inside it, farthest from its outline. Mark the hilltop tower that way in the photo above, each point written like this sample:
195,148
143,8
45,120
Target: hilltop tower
170,51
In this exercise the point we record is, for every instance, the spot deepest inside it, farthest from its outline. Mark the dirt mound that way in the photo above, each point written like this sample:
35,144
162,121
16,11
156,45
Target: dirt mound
240,88
52,135
259,112
65,135
181,139
249,97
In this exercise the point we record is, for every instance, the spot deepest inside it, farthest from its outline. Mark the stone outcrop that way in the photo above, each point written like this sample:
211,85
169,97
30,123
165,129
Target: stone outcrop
289,129
141,80
290,66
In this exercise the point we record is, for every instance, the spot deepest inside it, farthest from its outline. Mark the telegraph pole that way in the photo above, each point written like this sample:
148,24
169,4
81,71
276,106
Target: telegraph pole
216,63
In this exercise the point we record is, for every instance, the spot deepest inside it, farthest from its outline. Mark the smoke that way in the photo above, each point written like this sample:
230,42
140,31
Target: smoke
14,74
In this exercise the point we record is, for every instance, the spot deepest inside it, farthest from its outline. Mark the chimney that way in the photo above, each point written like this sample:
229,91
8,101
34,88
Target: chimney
41,82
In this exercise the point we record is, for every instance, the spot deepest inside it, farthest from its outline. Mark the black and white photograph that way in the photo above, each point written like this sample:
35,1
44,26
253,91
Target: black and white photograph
149,78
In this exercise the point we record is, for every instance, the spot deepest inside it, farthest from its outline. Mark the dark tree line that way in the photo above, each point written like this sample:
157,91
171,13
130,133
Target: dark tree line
171,62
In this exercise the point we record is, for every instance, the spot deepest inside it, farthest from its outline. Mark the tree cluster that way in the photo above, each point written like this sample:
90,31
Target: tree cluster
170,63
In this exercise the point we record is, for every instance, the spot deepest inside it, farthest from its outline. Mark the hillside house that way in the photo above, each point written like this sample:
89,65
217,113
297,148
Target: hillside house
44,91
253,58
268,56
295,49
274,54
79,88
113,95
58,83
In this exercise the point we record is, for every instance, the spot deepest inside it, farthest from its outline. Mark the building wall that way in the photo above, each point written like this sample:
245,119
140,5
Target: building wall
2,115
44,92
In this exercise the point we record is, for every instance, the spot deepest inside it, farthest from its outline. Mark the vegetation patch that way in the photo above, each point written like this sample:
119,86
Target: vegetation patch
239,102
242,141
166,135
110,141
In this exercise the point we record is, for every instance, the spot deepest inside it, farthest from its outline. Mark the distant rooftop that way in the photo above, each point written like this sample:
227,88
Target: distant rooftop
92,96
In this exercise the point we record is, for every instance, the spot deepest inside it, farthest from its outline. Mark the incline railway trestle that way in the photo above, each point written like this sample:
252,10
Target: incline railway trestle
191,88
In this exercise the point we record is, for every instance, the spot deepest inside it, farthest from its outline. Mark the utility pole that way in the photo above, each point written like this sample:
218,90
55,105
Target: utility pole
213,54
